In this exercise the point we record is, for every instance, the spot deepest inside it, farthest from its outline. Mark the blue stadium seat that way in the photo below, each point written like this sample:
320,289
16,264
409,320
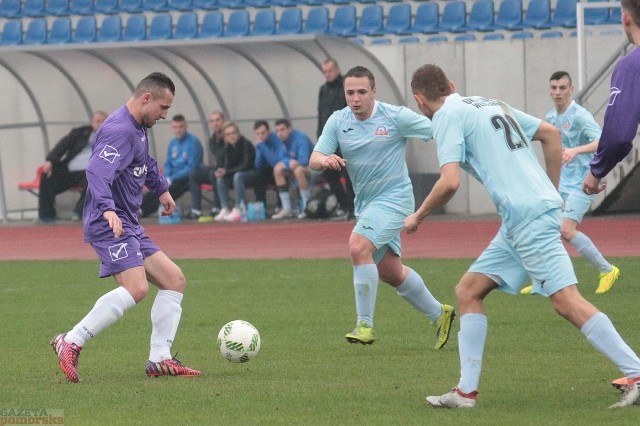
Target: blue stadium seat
231,4
212,25
564,15
521,35
357,41
161,27
60,31
264,23
538,15
552,34
33,8
260,4
57,7
11,33
81,7
427,18
509,15
371,20
155,5
465,37
10,9
36,32
135,28
290,22
111,29
181,5
493,36
615,14
317,20
238,24
187,26
398,19
437,39
481,16
596,16
131,6
205,4
407,40
382,40
107,7
454,17
344,21
86,30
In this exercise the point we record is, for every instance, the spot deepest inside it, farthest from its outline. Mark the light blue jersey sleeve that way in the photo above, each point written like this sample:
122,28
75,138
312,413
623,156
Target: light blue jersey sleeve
328,142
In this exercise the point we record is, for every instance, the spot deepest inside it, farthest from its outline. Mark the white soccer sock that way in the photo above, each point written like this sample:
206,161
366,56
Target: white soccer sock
285,199
589,251
365,283
107,310
305,194
471,339
602,335
165,318
414,291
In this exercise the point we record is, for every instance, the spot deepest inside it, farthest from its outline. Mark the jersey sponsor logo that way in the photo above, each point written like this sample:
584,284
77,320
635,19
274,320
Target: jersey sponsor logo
614,94
347,130
140,170
381,131
367,227
118,251
109,153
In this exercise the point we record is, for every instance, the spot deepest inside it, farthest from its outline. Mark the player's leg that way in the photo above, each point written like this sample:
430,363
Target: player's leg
302,174
165,315
365,284
576,205
196,178
280,172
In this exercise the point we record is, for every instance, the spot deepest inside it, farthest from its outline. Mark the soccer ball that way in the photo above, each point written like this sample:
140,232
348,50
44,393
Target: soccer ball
239,341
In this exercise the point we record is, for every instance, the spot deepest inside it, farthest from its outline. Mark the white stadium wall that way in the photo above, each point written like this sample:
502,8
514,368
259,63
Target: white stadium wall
50,89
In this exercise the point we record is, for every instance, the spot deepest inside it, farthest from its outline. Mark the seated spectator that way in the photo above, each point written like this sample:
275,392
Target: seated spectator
298,147
205,174
65,167
184,154
269,152
236,172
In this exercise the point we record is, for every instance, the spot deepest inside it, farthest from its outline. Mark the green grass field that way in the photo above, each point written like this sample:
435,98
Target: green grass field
538,369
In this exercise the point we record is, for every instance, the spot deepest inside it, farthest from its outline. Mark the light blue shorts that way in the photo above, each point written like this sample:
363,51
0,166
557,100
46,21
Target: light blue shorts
382,226
535,252
576,205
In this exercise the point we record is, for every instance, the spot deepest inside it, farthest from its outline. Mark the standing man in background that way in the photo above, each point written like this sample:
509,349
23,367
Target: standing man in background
330,99
65,168
119,169
580,135
184,154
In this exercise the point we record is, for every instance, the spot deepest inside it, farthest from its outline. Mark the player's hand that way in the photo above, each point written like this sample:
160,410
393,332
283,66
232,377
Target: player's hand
592,185
568,154
168,205
47,168
411,223
114,222
334,162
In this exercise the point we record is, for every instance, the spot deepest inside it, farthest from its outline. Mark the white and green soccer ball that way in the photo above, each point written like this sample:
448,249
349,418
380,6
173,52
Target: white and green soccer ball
239,341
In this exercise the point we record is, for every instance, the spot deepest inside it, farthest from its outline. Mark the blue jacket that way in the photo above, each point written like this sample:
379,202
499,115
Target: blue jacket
299,147
183,155
270,152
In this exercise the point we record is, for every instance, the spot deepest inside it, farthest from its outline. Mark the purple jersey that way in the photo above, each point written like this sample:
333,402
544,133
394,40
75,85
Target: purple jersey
622,116
119,168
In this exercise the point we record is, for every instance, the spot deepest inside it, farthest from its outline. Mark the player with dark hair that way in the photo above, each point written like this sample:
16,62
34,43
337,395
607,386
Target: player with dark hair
119,169
492,141
372,137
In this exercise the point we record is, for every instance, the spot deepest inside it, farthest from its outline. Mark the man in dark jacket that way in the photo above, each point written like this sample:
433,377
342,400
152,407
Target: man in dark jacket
331,99
65,168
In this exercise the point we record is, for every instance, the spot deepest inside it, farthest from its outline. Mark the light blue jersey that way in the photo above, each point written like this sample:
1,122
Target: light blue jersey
492,141
375,153
578,128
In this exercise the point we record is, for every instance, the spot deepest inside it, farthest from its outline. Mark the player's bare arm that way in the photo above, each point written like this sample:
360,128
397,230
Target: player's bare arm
551,140
319,161
444,189
114,222
166,200
568,154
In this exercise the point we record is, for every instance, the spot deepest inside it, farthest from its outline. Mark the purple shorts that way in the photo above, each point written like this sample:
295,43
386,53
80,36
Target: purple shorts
119,254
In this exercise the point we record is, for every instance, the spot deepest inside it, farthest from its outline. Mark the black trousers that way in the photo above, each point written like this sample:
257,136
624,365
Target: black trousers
61,180
150,202
343,192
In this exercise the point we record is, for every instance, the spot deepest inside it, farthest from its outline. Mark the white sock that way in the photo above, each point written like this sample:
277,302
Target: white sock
107,310
165,317
365,283
602,335
305,194
414,291
285,199
471,339
589,251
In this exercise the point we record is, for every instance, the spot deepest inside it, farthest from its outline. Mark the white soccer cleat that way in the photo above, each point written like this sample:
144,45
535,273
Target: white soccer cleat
631,395
453,399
